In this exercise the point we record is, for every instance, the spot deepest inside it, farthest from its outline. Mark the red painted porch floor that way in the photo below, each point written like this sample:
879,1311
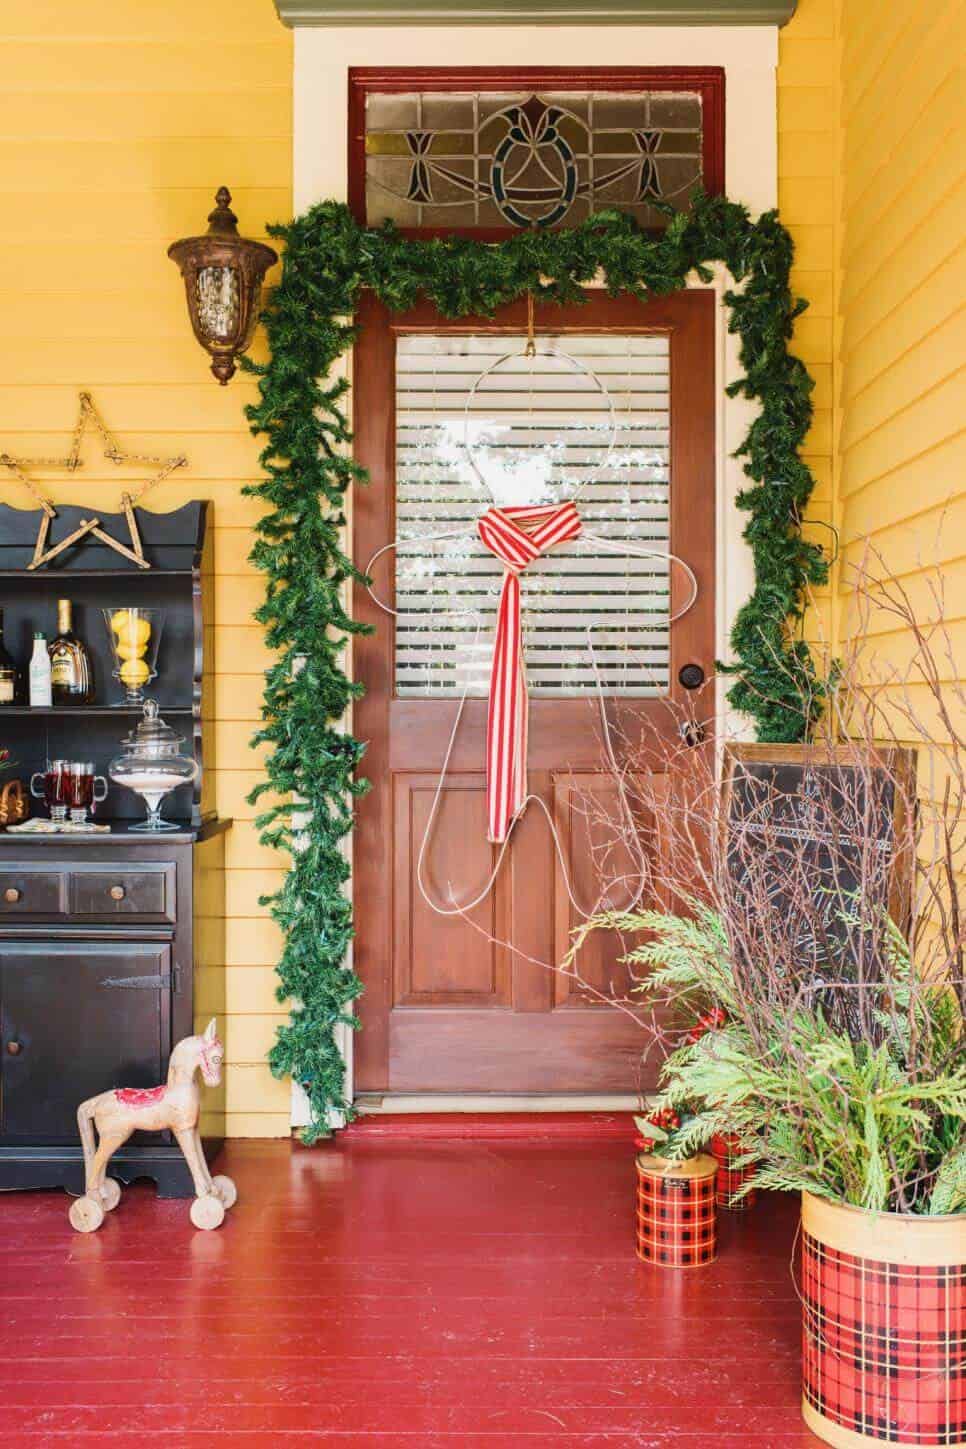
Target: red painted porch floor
418,1292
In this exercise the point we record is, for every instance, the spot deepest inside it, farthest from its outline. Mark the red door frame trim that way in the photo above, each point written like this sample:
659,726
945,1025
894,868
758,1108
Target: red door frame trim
708,81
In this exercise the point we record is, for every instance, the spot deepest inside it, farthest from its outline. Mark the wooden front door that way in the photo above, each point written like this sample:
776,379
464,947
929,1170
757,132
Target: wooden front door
458,1004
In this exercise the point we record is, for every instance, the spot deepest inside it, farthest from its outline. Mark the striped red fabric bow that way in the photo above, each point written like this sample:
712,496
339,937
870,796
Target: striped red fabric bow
516,536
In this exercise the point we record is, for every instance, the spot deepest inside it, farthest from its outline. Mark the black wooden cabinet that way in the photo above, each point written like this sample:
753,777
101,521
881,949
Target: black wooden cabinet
102,950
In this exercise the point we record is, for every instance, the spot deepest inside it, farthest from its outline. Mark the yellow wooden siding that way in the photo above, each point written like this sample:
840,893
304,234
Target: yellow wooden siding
118,120
902,303
807,198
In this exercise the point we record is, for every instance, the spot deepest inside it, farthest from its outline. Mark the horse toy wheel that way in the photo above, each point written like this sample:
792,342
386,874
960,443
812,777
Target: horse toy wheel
105,1123
207,1212
86,1215
226,1190
110,1194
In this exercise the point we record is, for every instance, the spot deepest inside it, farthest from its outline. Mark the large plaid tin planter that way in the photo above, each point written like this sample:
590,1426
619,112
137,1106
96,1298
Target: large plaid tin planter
676,1211
726,1151
884,1343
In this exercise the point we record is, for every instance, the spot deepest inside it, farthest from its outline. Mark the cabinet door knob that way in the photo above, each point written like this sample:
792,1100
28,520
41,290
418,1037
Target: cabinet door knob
14,1048
117,893
12,894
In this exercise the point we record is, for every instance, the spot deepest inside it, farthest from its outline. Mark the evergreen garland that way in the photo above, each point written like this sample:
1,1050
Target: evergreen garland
328,258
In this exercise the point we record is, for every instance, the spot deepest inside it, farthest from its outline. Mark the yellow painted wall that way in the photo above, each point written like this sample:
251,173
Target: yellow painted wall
902,286
118,119
807,151
871,174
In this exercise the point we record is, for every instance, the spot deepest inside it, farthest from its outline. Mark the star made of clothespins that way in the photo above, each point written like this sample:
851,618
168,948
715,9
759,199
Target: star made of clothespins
21,468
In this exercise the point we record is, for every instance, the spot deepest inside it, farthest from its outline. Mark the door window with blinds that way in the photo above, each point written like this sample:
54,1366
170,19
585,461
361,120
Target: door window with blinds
479,424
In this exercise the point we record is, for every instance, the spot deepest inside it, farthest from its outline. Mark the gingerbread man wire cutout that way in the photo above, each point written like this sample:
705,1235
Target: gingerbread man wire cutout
520,524
21,468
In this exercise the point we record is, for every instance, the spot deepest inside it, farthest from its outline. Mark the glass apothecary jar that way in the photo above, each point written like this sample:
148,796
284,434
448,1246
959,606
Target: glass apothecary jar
151,765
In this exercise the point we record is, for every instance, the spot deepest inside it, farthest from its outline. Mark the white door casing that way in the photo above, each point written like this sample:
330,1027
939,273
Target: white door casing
323,57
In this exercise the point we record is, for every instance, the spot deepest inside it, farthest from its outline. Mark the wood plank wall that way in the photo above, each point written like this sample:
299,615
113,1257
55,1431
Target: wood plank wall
807,142
902,288
118,120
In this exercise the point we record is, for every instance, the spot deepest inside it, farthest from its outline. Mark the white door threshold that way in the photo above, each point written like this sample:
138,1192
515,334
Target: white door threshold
395,1103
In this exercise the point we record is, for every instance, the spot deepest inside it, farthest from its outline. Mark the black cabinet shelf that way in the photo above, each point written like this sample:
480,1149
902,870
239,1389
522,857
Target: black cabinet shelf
85,711
77,576
178,547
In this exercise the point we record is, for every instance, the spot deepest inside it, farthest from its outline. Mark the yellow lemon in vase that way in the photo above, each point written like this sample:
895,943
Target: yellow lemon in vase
134,672
132,633
126,649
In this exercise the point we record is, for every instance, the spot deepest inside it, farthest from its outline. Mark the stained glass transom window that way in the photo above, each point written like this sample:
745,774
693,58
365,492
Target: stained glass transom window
518,159
594,425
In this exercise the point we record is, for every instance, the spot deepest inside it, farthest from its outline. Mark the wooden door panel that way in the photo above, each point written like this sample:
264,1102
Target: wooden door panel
564,733
588,817
438,959
509,1052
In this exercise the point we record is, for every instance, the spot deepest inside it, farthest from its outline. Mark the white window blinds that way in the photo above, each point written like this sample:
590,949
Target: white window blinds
539,431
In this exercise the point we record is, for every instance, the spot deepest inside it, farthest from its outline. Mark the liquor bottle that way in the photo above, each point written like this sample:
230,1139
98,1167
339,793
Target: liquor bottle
39,674
11,675
71,673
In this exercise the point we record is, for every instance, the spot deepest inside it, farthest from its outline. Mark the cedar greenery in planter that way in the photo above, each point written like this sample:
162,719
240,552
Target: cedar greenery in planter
329,258
858,1121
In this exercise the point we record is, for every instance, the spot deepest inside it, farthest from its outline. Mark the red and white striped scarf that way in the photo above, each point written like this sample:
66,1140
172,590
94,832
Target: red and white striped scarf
516,536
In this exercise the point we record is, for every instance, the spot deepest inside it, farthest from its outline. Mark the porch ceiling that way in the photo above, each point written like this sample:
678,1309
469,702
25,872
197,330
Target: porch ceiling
535,12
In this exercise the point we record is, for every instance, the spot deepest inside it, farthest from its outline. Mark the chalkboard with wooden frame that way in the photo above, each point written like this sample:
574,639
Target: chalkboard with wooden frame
752,773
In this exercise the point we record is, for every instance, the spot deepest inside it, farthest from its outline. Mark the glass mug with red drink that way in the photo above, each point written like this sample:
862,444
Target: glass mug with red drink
85,790
69,787
52,788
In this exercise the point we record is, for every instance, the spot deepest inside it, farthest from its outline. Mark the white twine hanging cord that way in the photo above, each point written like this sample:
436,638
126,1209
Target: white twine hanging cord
611,545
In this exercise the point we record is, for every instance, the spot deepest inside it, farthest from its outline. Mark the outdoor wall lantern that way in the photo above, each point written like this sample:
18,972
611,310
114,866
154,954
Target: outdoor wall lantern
223,280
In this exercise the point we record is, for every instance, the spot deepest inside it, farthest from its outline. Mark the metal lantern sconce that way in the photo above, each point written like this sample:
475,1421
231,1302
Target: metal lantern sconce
223,279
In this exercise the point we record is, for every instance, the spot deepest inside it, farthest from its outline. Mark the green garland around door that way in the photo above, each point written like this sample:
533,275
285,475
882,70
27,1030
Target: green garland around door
328,259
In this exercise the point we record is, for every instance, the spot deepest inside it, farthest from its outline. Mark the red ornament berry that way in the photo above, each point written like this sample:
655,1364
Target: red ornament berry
712,1020
663,1117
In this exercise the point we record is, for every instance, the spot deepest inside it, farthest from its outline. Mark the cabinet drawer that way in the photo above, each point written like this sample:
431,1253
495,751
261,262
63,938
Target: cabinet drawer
109,892
26,891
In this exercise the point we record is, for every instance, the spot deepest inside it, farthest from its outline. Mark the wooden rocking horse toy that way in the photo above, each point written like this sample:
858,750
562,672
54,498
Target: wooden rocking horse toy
174,1108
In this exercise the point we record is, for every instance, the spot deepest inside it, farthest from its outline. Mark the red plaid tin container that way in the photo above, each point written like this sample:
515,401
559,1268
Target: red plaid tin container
676,1211
884,1331
726,1150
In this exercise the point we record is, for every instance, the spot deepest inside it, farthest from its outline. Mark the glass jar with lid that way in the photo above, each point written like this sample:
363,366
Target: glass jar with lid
152,766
